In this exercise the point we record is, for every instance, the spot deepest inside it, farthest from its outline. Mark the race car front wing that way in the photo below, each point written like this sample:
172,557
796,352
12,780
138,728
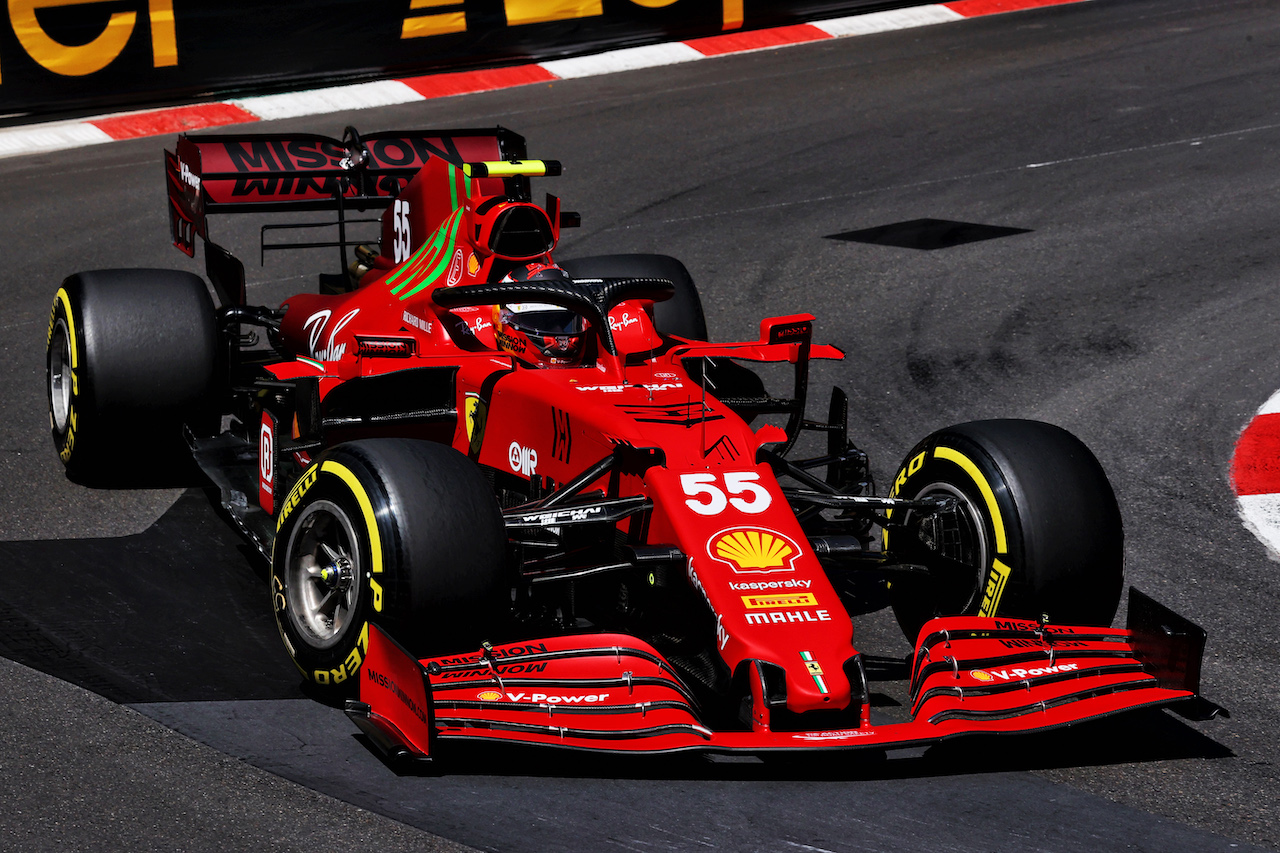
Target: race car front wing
615,693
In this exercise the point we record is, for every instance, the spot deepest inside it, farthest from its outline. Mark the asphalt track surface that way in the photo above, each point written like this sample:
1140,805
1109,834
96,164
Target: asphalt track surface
1122,160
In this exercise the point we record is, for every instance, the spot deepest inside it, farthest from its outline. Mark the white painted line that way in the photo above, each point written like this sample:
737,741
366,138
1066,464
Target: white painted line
1272,406
357,96
1261,515
627,59
49,137
893,19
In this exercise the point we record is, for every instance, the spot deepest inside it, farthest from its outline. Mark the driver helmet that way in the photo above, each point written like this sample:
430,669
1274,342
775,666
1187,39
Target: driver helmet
538,331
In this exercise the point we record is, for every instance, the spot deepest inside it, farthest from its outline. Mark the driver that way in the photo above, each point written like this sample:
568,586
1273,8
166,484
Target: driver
539,332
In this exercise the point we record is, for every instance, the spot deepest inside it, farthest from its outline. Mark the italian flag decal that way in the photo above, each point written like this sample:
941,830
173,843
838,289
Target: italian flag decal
815,669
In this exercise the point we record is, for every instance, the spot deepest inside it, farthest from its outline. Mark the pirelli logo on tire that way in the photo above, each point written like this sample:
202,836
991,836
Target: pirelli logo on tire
305,482
991,593
350,666
997,572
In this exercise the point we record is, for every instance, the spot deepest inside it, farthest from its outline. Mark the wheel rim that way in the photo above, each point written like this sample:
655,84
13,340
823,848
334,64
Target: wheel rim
60,381
322,574
965,542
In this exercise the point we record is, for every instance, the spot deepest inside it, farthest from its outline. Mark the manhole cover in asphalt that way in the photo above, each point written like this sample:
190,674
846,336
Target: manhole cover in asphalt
927,234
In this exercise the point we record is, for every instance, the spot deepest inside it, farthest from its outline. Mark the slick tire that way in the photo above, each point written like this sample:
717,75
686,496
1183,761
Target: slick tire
1039,532
130,358
400,532
680,315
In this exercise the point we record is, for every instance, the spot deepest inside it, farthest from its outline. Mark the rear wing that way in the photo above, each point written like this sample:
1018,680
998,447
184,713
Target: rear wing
241,173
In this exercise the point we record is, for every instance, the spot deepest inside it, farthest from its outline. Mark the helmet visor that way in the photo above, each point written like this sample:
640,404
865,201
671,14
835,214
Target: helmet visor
537,318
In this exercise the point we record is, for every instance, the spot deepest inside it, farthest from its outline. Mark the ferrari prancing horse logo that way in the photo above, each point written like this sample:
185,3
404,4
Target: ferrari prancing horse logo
476,414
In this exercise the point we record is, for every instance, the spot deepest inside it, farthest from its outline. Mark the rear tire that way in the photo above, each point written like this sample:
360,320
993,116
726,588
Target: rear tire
130,358
680,315
404,533
1039,531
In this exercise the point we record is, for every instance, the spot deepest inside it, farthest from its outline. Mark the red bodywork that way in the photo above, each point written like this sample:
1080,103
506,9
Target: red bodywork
747,556
614,692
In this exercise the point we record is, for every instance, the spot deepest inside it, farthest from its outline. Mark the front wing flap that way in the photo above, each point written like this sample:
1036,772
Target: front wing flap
615,693
604,691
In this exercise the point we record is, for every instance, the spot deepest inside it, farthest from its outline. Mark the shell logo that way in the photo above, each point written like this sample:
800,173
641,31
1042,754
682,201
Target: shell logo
489,696
980,675
753,550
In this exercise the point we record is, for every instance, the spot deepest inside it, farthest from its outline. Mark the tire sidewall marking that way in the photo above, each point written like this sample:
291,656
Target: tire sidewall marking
71,326
993,590
997,574
66,440
984,488
300,487
345,474
353,490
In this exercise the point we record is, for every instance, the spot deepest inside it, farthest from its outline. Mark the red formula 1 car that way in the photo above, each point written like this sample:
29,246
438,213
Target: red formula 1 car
542,477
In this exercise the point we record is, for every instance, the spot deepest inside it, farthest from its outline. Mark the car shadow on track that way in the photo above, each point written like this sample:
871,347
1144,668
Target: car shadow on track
179,612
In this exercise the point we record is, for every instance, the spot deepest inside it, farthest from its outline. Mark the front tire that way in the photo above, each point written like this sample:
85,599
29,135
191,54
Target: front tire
405,533
1037,530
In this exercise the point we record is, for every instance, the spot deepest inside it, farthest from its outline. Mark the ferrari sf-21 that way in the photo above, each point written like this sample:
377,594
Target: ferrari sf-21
510,497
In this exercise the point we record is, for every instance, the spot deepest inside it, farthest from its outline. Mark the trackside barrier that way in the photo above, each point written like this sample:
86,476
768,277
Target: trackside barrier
28,136
90,55
61,58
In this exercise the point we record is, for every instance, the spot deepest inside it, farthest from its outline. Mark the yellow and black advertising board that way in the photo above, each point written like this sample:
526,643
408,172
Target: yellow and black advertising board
68,57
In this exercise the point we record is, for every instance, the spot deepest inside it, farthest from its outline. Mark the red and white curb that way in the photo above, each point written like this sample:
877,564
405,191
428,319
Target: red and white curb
54,136
1255,475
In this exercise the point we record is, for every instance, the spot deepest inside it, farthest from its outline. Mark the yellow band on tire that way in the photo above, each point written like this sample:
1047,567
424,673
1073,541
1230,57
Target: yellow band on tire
366,507
71,324
966,464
